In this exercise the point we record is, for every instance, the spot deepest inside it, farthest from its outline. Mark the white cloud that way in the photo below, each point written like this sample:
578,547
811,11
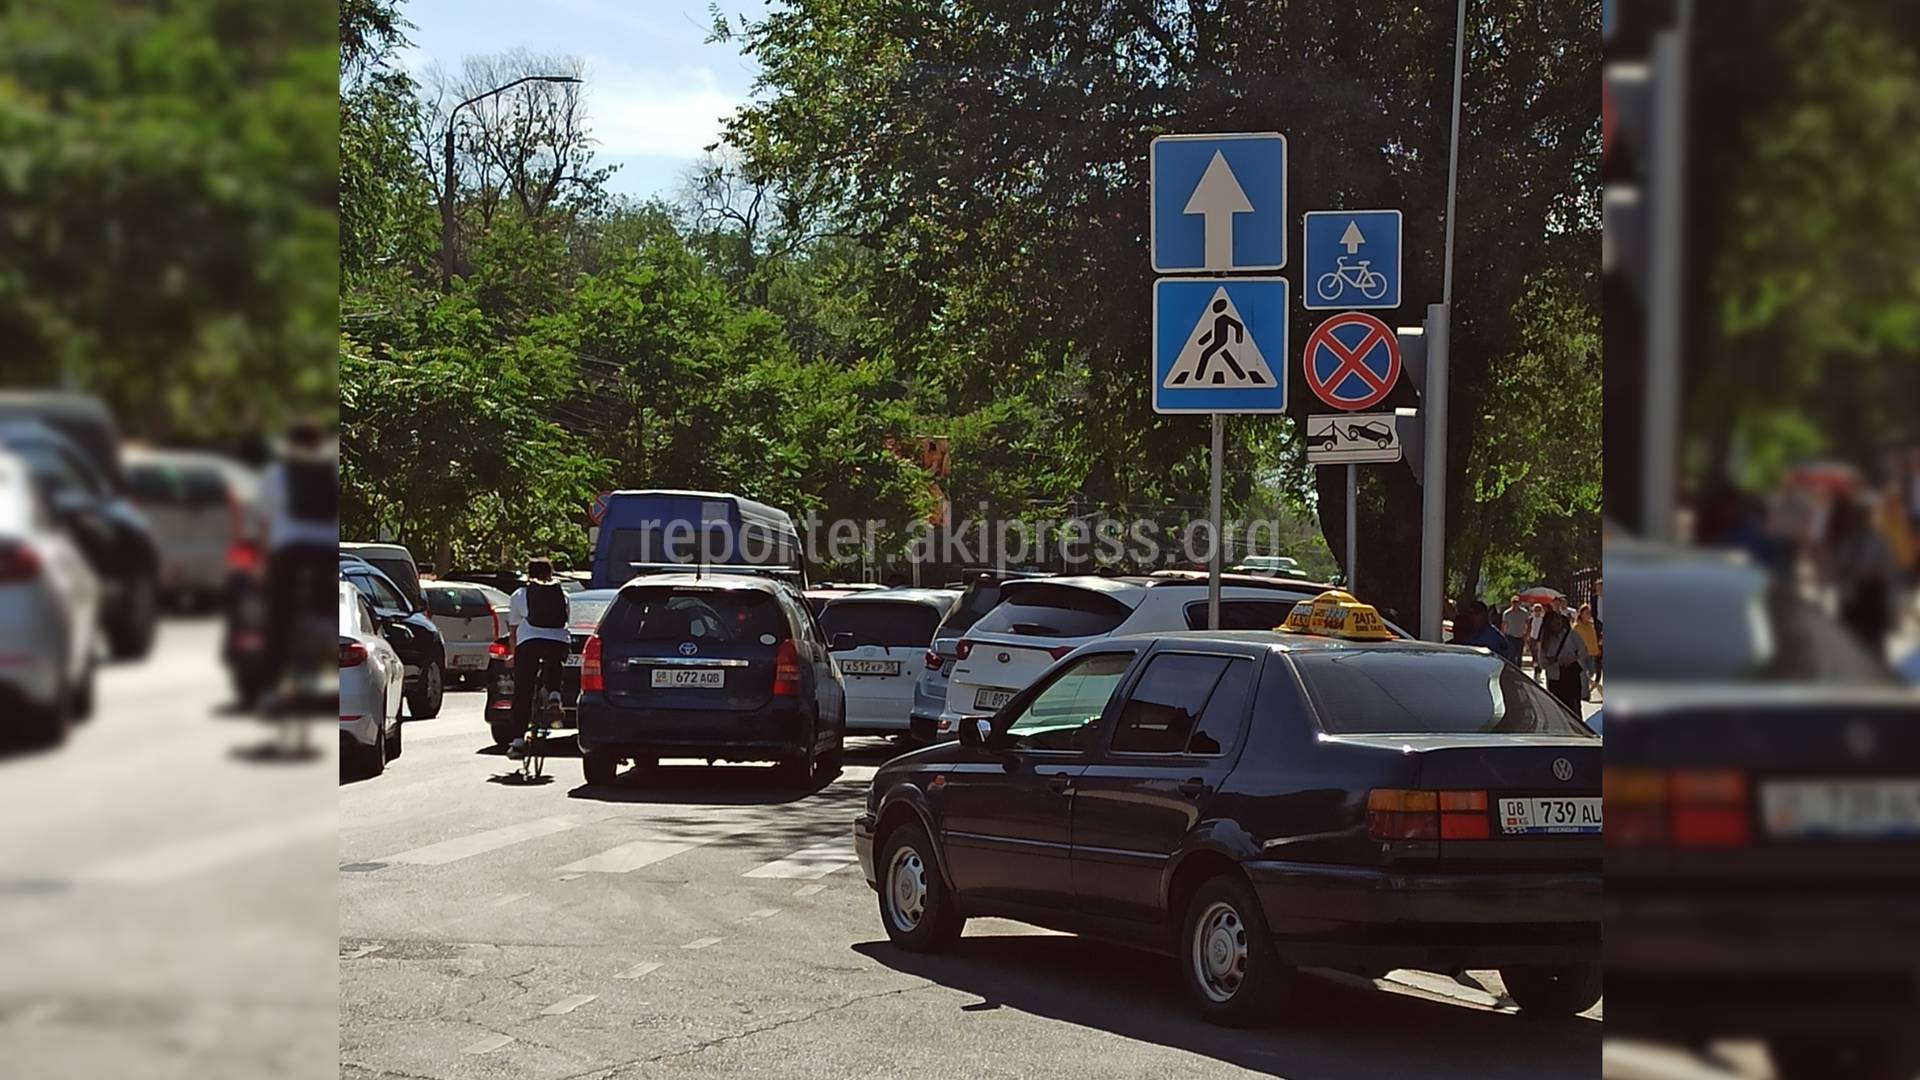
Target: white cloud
655,113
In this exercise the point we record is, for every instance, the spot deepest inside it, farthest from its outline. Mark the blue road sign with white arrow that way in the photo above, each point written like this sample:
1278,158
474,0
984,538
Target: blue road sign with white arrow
1220,345
1352,260
1219,202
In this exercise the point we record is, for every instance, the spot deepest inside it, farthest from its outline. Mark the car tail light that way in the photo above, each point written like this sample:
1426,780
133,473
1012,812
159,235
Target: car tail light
18,563
1059,651
500,650
352,654
963,650
935,661
591,680
1684,808
786,670
1400,814
243,557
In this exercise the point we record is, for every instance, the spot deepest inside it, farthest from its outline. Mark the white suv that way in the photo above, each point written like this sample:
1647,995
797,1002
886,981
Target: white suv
1042,620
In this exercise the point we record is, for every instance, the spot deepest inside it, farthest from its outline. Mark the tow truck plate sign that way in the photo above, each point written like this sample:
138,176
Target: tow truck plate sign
1518,816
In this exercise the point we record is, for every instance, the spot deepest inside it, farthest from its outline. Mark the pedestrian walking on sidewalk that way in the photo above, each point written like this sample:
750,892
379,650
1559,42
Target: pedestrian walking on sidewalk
1535,624
1861,570
1514,623
1589,631
1562,654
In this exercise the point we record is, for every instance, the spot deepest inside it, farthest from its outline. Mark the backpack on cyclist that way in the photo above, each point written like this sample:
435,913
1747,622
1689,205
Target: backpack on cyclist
546,605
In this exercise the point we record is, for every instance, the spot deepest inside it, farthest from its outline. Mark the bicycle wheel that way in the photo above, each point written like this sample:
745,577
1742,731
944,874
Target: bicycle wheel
1330,286
1373,286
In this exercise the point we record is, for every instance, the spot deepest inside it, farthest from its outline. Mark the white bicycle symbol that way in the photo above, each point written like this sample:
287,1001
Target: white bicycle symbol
1358,274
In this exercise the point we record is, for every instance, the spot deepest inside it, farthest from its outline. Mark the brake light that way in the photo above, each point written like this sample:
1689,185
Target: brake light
500,650
963,650
243,558
1400,814
1059,651
1684,808
935,661
786,670
18,563
352,654
591,680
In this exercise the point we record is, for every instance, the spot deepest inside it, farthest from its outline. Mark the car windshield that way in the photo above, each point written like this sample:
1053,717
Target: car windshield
1428,692
1046,610
586,612
881,622
675,613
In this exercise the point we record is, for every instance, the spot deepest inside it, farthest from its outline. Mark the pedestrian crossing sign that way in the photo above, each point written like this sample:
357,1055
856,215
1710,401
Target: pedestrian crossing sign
1212,340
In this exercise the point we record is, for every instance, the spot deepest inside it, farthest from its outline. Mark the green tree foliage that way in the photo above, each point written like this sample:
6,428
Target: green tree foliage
167,209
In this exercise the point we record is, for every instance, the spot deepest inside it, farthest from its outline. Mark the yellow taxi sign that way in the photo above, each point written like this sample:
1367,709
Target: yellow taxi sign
1335,613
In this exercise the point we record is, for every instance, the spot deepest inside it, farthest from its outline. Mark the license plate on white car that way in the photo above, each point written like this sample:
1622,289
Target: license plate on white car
870,667
476,662
574,661
991,699
702,679
1549,815
1842,809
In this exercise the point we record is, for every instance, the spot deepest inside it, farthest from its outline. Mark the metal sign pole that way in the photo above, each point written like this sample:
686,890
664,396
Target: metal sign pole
1353,528
1433,493
1213,526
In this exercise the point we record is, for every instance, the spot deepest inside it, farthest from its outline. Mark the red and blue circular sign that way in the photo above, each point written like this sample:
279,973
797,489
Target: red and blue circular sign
597,510
1352,361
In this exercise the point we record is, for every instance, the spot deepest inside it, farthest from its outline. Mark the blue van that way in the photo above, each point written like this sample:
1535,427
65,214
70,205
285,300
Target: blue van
654,530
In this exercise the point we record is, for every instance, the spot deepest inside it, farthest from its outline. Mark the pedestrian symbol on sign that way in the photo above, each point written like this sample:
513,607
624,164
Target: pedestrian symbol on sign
1218,351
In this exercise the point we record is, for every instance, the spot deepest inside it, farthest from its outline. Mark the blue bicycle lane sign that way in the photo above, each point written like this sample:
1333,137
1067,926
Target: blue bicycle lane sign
1352,260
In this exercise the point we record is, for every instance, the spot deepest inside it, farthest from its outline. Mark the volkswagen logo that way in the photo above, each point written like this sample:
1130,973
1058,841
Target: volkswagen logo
1562,769
688,648
1004,657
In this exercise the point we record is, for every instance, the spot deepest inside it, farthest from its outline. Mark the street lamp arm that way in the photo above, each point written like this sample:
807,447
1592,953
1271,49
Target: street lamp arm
509,86
446,188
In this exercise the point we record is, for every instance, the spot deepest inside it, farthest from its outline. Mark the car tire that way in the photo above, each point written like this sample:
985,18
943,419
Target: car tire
600,768
1553,992
916,909
395,740
804,770
835,760
131,632
424,702
1808,1057
82,706
1228,964
46,726
368,761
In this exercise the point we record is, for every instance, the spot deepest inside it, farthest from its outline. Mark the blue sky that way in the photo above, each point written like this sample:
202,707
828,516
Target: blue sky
656,92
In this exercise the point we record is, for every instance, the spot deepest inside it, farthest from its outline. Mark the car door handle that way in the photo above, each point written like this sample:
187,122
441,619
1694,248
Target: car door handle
1193,787
1061,783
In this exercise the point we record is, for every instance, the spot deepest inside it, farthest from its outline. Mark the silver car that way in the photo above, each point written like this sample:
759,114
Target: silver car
49,616
199,506
469,622
371,686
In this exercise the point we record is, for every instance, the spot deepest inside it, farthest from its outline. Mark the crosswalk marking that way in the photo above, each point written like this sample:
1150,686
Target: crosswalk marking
639,970
465,847
701,943
763,913
810,890
808,863
567,1004
487,1045
674,840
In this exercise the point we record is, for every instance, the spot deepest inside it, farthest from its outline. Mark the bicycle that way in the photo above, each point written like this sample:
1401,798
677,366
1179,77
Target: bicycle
1359,274
533,757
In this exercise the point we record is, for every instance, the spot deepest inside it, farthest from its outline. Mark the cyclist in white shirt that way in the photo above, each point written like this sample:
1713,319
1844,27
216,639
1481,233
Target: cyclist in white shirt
537,612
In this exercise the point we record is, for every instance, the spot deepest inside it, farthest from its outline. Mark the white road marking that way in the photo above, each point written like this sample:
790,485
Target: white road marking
810,890
466,847
488,1045
701,943
207,853
809,863
362,952
567,1004
673,839
639,970
511,898
764,913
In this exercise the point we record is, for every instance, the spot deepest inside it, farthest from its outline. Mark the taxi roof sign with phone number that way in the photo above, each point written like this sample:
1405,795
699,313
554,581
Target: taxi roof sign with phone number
1337,614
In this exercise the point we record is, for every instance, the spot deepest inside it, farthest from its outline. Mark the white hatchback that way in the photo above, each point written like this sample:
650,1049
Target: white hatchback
1039,621
372,681
49,616
891,630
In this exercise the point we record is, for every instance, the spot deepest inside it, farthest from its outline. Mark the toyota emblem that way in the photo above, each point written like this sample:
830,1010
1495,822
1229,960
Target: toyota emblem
1562,769
1004,657
688,648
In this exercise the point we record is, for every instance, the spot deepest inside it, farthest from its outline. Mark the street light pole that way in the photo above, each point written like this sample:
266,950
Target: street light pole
446,189
1433,492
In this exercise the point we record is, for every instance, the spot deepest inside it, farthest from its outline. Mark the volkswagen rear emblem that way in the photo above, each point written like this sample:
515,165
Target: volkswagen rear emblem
688,648
1562,769
1005,657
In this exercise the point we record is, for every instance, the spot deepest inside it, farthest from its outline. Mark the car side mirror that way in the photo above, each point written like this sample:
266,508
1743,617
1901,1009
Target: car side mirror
842,642
977,731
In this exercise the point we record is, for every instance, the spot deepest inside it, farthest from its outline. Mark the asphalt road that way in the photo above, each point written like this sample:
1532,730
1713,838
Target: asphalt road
167,889
711,923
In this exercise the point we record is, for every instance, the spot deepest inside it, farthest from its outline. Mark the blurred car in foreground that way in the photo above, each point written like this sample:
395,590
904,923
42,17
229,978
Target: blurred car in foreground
199,506
409,630
1256,802
372,687
89,503
892,630
1763,842
584,611
49,616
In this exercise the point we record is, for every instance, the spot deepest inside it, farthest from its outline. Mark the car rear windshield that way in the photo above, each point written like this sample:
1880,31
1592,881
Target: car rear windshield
683,613
979,598
587,612
458,603
197,487
1428,693
1053,611
881,622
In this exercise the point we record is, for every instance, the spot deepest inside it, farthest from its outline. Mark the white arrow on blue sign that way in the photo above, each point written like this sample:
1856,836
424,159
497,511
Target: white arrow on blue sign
1220,345
1352,260
1219,202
